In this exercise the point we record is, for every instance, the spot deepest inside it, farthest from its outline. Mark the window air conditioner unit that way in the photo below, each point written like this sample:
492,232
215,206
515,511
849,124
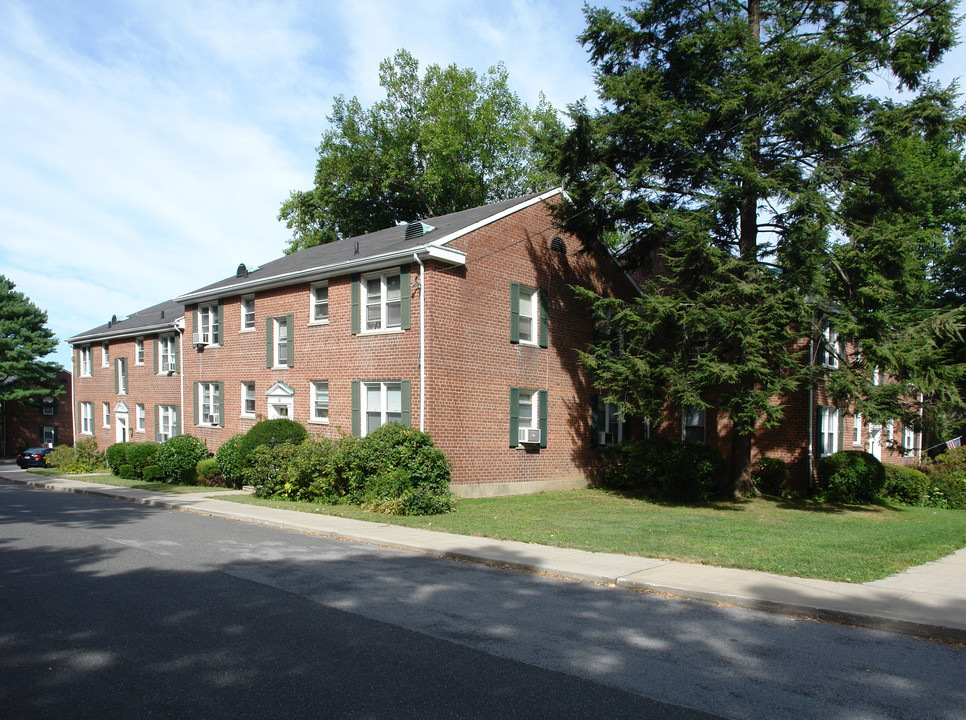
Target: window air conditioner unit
529,436
160,437
214,419
605,438
199,339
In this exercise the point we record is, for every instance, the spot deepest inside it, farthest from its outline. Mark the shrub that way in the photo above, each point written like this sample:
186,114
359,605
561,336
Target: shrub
178,456
230,463
904,485
267,467
152,473
209,473
770,475
269,433
952,462
127,472
664,469
850,476
116,455
141,454
82,458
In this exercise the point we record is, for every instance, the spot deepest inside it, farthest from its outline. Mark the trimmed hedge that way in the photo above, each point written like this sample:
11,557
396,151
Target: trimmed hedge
209,473
770,475
229,461
905,485
116,455
141,454
663,469
850,476
178,456
270,433
395,470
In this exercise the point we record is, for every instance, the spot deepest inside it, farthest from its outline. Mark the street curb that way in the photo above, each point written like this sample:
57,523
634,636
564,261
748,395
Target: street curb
805,610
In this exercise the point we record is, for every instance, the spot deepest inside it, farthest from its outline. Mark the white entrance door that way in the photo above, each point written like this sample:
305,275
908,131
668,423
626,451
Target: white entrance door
120,421
875,441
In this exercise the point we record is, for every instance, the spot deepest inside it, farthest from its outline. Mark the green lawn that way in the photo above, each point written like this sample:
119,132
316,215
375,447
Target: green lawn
798,538
106,478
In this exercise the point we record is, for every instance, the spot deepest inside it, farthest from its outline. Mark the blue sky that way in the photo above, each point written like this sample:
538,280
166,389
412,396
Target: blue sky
145,147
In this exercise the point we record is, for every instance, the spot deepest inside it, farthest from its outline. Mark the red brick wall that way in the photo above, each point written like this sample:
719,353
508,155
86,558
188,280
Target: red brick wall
23,423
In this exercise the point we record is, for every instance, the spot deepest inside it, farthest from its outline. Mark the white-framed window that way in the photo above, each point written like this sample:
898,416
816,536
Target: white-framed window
857,429
121,371
528,316
105,356
610,424
139,416
139,351
891,425
208,403
526,410
829,421
829,348
381,404
248,399
280,399
85,361
280,331
208,330
47,407
528,418
320,401
910,440
106,411
319,312
87,418
247,313
693,424
166,354
167,422
382,300
876,376
48,436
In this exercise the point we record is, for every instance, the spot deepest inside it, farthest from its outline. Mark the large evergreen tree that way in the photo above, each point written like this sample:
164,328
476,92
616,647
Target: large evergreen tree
446,141
24,340
731,153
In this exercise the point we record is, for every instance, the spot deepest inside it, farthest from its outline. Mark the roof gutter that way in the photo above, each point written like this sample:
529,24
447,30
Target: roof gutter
432,252
127,332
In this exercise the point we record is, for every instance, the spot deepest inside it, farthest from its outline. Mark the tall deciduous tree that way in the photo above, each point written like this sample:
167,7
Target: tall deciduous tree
730,134
24,340
446,141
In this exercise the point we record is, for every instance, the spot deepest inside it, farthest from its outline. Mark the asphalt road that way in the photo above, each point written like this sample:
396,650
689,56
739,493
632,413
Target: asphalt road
111,610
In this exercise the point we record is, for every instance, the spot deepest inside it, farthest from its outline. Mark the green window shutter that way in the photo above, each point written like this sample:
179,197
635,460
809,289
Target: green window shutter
290,326
117,370
156,364
544,304
514,313
594,419
55,435
514,417
78,423
194,397
220,389
354,304
53,408
407,408
216,339
194,320
542,402
177,419
269,355
405,297
157,421
841,430
356,411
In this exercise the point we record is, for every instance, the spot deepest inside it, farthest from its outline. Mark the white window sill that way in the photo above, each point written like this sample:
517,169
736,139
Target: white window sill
314,421
318,322
139,430
246,330
246,417
388,331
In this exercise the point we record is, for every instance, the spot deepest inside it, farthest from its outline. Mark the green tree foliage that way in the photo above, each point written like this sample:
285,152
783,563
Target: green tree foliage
730,155
24,340
443,142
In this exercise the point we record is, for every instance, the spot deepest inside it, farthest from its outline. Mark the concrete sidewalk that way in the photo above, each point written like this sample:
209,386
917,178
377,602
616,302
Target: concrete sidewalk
927,601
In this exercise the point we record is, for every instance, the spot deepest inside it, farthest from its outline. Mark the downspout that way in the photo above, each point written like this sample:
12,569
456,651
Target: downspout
73,404
179,326
811,410
422,344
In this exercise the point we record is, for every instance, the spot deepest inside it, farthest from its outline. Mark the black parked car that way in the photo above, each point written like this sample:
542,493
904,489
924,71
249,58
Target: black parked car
33,457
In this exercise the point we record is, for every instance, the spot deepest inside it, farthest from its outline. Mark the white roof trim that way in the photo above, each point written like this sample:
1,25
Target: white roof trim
498,216
279,389
85,338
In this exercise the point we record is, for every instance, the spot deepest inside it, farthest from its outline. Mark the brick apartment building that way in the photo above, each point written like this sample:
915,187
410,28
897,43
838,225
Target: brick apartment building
44,423
463,325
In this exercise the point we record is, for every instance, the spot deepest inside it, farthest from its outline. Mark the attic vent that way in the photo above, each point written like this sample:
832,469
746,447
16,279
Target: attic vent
559,245
242,271
417,229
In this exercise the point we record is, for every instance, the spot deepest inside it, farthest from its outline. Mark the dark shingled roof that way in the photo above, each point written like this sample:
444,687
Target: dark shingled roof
381,242
155,318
